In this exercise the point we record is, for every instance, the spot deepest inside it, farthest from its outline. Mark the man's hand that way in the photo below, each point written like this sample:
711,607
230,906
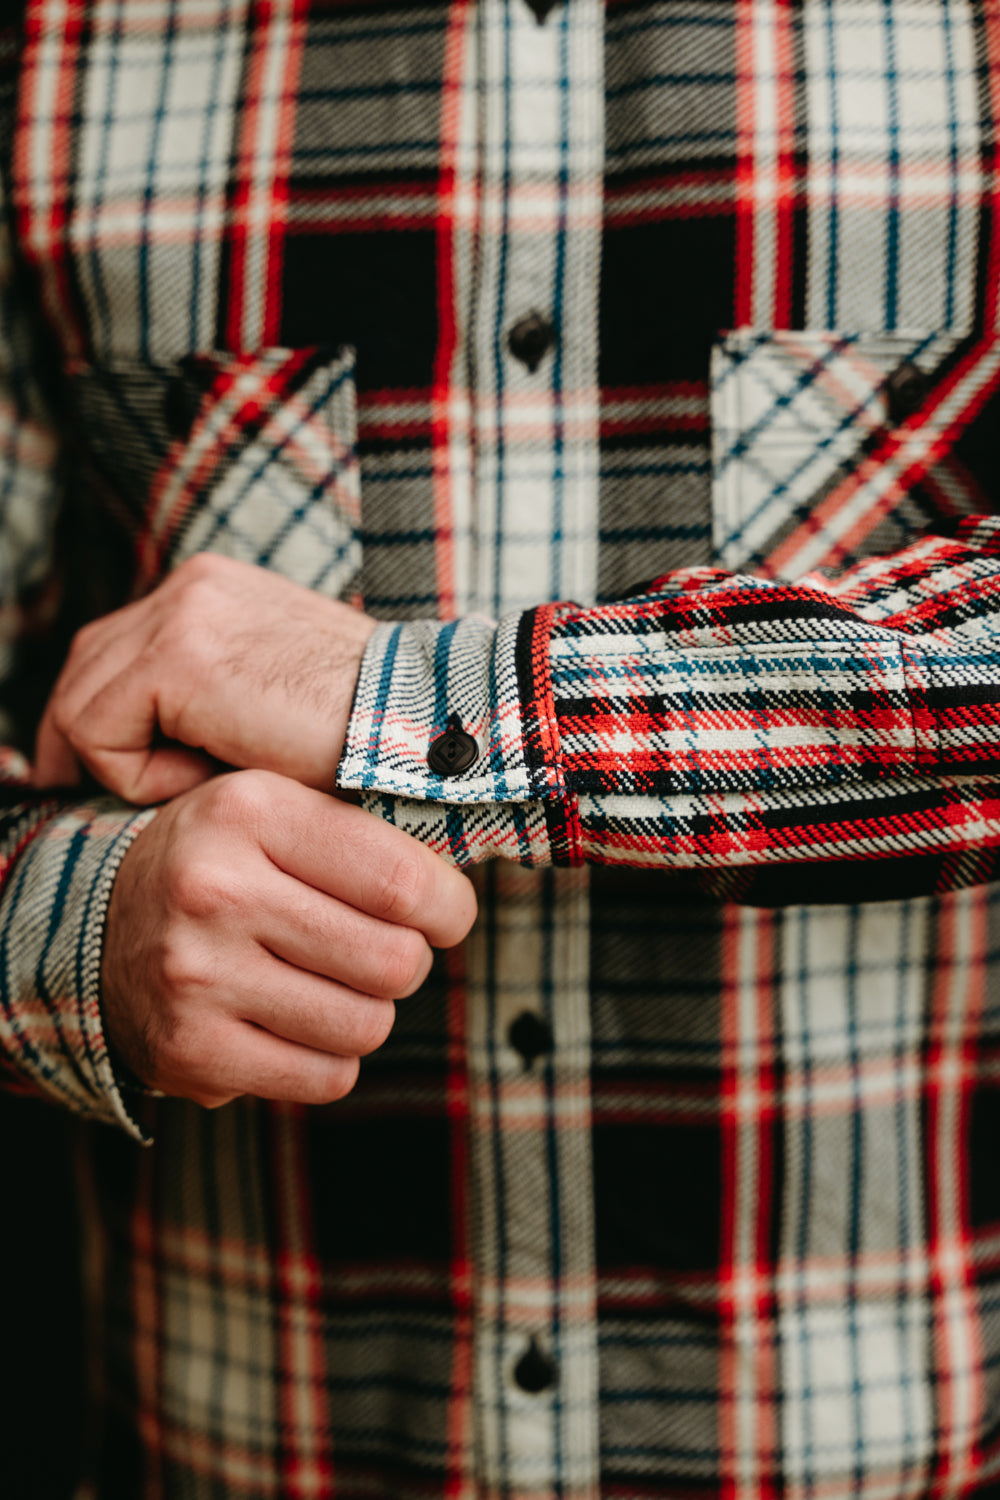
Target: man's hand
231,661
258,934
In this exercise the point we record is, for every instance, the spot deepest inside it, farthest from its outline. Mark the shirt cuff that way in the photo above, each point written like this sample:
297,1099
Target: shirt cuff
424,678
526,833
53,911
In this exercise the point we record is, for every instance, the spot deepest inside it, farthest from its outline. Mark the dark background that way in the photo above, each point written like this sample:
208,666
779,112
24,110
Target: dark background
41,1382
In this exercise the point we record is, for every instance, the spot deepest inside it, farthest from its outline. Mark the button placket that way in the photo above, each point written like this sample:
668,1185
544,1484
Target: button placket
537,450
535,1371
530,339
541,9
535,356
530,1035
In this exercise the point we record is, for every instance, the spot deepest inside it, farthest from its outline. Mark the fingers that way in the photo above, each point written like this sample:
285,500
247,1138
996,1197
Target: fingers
223,657
242,1059
104,713
372,866
115,736
313,1012
292,1036
224,973
326,936
70,729
137,771
55,761
149,776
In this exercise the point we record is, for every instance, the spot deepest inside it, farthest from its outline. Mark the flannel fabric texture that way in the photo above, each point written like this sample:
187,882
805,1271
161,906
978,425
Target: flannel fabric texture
714,582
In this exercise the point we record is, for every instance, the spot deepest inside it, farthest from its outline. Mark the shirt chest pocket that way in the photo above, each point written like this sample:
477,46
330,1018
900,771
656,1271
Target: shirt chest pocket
252,456
829,447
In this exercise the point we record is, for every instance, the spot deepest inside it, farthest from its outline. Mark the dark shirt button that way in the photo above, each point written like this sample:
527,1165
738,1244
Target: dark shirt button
181,405
541,9
530,1035
530,339
906,390
535,1371
452,752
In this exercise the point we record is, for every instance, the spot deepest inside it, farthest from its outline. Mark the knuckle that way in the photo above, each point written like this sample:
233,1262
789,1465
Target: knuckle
183,971
197,568
402,963
374,1026
200,888
183,644
240,798
334,1079
195,599
194,591
64,721
82,640
399,888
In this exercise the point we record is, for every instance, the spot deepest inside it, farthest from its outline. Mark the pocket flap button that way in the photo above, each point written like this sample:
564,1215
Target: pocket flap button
906,391
180,406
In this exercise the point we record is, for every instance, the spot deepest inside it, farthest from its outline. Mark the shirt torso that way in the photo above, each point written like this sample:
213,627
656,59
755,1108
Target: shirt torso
460,308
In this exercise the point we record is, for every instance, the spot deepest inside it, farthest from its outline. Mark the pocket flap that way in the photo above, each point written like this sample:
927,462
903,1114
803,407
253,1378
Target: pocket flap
253,456
816,466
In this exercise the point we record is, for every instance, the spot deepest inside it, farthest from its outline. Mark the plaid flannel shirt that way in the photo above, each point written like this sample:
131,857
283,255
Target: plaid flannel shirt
639,367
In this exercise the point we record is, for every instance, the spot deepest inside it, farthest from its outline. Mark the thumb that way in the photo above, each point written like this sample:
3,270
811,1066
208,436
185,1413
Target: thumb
119,740
149,775
56,763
